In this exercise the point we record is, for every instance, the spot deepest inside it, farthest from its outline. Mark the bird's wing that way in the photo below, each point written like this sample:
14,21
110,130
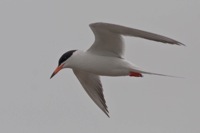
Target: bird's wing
108,40
92,85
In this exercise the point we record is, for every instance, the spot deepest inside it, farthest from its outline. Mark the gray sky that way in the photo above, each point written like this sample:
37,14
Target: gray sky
35,33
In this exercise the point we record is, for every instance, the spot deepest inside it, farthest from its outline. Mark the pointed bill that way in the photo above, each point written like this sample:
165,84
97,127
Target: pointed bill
57,70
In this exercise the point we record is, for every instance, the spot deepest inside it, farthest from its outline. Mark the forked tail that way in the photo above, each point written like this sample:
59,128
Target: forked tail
138,73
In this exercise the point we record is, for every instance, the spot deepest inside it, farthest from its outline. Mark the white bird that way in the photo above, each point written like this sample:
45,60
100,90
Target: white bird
105,58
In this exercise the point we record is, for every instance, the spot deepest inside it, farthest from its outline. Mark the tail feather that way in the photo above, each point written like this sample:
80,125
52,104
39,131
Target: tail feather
158,74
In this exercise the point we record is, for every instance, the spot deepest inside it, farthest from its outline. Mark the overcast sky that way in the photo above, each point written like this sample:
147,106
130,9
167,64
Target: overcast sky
35,33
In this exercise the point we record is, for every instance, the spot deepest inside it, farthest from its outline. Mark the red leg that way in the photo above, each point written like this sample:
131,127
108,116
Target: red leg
135,74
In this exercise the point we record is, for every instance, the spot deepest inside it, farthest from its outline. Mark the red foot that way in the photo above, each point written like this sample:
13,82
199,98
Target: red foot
135,74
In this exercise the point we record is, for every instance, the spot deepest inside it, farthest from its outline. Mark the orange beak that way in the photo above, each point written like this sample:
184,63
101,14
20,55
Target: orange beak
57,70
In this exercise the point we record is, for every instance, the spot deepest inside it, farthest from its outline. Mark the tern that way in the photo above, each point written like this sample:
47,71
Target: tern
106,58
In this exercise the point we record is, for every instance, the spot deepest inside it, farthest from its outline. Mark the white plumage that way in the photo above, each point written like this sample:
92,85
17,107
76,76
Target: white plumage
105,58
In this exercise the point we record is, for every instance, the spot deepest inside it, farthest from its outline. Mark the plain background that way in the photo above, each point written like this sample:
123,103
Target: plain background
35,33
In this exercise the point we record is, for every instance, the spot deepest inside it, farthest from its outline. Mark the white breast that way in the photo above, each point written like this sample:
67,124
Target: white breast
100,65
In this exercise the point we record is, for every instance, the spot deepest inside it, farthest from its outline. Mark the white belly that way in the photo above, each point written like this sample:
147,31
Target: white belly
101,65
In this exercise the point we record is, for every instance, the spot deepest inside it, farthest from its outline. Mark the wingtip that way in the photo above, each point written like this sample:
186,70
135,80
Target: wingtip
107,113
180,44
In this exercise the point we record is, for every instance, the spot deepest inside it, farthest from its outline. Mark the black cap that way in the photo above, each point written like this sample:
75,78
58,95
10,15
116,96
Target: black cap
65,56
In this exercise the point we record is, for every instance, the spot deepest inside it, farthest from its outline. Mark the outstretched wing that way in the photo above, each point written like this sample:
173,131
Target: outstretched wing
92,85
108,40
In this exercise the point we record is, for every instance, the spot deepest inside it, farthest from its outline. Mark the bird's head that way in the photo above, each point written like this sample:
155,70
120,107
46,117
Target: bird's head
62,63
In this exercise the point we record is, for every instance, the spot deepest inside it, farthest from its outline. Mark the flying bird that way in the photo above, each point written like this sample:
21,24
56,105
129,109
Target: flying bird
106,58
